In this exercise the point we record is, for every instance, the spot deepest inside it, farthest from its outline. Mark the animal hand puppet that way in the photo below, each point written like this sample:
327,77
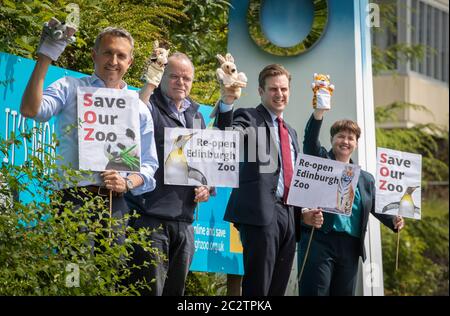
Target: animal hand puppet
54,38
322,91
228,74
154,67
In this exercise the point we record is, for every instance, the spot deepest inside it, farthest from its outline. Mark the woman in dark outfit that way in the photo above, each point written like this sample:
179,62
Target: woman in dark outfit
332,262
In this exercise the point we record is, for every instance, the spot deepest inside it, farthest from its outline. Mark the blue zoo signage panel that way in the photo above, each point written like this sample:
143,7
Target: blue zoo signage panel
213,250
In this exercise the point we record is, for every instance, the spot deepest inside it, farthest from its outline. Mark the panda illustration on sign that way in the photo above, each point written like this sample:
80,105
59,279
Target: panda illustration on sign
123,155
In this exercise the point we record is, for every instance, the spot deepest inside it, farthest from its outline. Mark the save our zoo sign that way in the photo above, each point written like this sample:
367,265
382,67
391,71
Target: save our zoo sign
398,183
109,129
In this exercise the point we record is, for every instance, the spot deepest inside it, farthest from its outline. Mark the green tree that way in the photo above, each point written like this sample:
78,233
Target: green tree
424,139
205,284
21,21
423,254
202,36
197,28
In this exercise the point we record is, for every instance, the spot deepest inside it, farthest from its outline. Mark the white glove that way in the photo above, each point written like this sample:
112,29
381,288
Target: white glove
228,94
54,38
323,100
154,67
152,73
230,80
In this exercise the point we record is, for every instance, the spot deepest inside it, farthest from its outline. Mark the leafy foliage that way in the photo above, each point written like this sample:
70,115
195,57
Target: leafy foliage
185,25
420,139
387,59
202,36
20,21
205,284
423,256
51,247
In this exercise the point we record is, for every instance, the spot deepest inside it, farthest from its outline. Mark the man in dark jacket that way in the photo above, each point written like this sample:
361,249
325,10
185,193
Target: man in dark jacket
258,207
169,208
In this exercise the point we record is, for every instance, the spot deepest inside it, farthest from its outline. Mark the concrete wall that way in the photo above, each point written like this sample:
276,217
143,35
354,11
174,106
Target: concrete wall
416,89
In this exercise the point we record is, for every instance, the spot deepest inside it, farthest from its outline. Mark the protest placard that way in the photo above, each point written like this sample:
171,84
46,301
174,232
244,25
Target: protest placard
109,129
323,183
398,183
201,157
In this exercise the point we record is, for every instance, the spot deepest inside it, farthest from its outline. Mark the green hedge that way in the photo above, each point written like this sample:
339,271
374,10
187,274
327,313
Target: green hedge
50,247
423,255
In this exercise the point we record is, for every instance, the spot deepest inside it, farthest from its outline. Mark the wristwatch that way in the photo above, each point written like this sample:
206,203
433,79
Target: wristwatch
129,183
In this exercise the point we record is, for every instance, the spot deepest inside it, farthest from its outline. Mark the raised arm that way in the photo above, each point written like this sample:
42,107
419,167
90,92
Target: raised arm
231,83
54,39
311,143
32,97
146,91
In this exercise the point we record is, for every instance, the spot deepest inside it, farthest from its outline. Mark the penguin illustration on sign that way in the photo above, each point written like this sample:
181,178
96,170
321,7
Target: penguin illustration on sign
406,205
176,167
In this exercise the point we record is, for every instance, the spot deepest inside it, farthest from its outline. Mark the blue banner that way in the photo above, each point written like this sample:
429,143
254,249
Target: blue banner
217,245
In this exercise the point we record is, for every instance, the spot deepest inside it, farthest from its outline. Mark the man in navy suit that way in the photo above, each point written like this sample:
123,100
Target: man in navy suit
258,207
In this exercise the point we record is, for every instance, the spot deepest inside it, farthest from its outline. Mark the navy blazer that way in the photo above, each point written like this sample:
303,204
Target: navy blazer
253,203
366,185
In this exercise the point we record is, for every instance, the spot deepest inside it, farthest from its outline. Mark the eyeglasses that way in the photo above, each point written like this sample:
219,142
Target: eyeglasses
176,78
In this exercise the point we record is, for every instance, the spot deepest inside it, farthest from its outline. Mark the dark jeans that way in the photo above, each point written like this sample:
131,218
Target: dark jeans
175,240
331,266
268,254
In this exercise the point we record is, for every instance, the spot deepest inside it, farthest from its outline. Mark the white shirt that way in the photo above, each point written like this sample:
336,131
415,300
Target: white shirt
223,107
60,99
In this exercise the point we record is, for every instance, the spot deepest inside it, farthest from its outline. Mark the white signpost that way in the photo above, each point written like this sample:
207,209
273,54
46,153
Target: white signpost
323,183
109,129
398,183
201,157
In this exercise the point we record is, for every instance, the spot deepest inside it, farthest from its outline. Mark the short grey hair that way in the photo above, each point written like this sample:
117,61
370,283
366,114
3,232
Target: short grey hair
114,31
182,56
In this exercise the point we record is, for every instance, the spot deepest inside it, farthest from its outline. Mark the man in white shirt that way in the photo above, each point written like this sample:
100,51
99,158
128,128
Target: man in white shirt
112,56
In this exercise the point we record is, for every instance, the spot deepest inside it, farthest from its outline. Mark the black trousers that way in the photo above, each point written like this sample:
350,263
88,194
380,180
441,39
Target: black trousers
268,254
331,266
165,275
